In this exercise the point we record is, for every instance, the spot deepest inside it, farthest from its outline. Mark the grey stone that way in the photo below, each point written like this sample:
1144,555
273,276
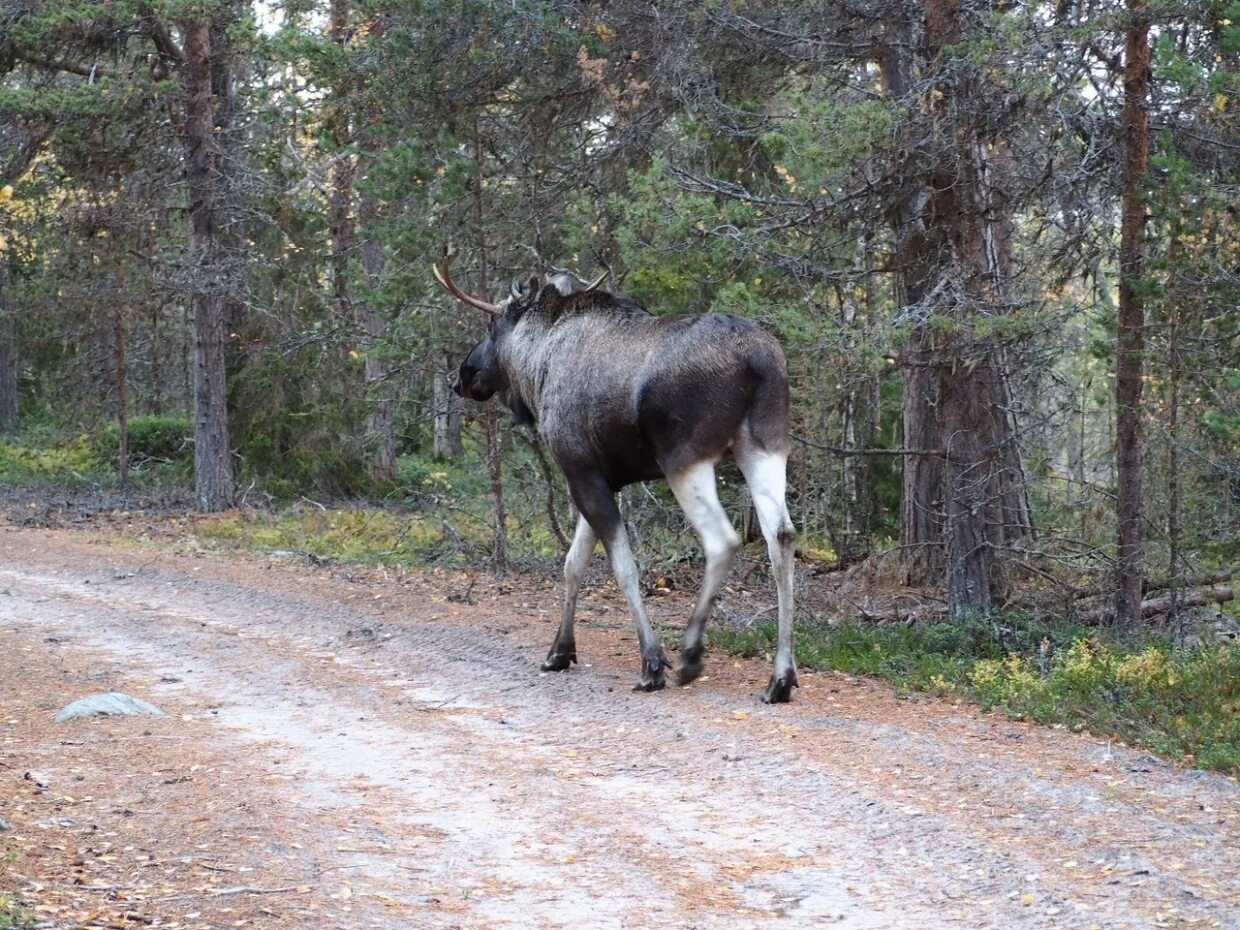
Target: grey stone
108,704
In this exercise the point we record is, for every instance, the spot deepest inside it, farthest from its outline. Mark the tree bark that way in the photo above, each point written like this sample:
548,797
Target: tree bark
447,412
122,395
499,551
213,468
923,557
341,199
953,251
1130,331
8,353
381,419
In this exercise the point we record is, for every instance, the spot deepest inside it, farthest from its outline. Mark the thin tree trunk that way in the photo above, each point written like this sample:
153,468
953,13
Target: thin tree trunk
381,420
1130,332
213,471
8,352
447,410
499,554
968,480
923,561
122,393
341,197
379,388
1173,473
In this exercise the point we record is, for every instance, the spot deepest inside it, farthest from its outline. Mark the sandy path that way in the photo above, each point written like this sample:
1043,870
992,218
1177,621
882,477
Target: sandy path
402,763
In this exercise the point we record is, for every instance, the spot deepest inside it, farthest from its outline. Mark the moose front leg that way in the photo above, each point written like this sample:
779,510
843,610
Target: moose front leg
597,504
564,650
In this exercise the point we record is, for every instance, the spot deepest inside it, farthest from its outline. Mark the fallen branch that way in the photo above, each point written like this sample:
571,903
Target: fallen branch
240,889
1151,585
1161,605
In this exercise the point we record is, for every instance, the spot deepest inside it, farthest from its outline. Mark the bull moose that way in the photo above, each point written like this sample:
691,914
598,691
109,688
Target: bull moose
621,396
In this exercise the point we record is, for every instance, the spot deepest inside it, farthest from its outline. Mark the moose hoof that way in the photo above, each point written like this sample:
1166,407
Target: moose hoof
559,661
652,678
779,691
691,666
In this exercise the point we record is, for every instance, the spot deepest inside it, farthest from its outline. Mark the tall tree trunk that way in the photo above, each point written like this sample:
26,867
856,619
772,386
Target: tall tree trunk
341,197
122,389
499,552
923,559
213,469
854,469
1130,332
381,419
953,247
8,352
230,236
447,412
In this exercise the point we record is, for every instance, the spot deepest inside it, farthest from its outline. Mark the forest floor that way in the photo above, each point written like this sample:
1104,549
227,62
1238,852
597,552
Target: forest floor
357,748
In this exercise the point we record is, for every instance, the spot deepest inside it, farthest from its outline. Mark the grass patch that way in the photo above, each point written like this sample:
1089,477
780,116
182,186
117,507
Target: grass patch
1181,702
363,536
12,915
29,463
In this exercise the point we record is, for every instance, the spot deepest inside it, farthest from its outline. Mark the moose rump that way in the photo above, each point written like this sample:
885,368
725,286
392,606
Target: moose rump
620,396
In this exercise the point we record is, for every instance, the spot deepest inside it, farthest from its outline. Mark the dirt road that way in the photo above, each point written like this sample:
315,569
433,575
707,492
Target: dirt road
356,750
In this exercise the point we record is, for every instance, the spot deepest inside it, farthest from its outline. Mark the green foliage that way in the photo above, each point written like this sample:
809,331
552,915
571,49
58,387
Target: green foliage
12,915
152,440
26,462
364,536
1178,701
1183,703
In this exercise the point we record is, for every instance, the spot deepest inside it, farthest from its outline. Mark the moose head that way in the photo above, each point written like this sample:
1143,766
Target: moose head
481,376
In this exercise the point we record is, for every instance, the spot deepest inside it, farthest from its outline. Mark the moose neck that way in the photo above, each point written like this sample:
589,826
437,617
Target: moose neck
525,356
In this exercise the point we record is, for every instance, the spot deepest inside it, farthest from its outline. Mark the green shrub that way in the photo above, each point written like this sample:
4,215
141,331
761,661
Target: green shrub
1179,701
152,439
22,462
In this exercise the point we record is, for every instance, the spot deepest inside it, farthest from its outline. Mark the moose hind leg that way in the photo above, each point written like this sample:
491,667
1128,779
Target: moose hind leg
564,650
766,474
598,505
695,491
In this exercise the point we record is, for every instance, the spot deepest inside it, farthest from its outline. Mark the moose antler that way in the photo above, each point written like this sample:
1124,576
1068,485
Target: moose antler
445,281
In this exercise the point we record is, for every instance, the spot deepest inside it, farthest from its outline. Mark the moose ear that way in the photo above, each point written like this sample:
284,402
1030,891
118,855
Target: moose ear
562,283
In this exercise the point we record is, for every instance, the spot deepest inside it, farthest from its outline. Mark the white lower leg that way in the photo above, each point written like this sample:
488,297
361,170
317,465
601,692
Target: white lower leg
576,563
698,497
624,566
765,474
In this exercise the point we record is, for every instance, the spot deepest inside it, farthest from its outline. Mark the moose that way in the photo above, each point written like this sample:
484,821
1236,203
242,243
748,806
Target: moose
618,396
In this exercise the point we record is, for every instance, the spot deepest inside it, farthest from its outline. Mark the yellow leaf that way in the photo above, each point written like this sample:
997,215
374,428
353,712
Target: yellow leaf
740,715
1220,103
6,193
